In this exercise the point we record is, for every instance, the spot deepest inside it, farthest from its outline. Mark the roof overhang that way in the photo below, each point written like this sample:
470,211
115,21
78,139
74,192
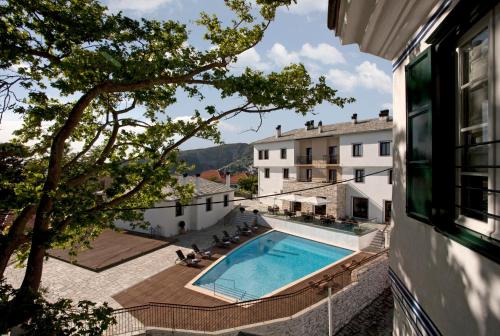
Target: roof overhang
380,27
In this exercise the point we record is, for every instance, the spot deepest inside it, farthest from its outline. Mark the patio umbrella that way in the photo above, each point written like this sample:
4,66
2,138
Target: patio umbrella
315,200
291,198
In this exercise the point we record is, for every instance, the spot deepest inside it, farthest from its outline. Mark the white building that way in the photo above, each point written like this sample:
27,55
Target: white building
215,201
322,154
445,242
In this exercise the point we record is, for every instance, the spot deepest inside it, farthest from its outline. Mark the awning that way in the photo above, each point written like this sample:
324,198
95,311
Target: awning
291,198
315,200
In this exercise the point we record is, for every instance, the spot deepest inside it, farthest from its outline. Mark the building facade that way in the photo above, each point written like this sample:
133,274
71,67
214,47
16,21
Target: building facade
445,243
210,203
322,155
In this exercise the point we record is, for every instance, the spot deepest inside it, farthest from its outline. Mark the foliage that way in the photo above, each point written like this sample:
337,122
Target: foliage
93,89
248,183
62,317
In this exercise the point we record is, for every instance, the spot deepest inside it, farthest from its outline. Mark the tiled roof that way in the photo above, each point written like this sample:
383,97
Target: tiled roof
203,187
211,175
368,125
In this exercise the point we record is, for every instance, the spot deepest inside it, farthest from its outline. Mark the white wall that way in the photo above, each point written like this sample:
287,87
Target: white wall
165,223
275,159
370,141
273,184
376,188
458,288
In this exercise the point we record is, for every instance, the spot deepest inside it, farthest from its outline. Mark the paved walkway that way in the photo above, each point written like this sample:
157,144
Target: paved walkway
374,320
62,279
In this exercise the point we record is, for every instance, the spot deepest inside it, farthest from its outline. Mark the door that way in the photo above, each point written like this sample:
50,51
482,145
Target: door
360,207
332,175
309,175
332,155
309,154
387,211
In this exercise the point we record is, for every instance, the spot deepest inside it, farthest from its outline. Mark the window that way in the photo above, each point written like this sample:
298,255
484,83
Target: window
266,154
208,204
266,172
309,155
286,172
261,155
332,155
385,148
360,207
226,200
359,175
283,153
357,150
179,209
419,138
332,175
389,179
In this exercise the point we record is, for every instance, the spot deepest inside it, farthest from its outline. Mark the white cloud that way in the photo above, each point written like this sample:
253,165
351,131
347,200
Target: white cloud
228,127
323,53
304,7
372,77
366,75
136,5
251,58
8,126
279,55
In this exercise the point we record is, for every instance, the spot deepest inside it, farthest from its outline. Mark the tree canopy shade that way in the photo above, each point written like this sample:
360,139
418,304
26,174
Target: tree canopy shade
115,77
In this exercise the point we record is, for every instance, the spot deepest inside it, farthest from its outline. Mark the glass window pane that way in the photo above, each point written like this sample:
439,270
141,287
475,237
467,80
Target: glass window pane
474,201
360,207
475,58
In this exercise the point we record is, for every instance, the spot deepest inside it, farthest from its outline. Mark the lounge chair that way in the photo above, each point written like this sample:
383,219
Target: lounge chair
187,261
244,231
253,228
220,243
233,239
207,254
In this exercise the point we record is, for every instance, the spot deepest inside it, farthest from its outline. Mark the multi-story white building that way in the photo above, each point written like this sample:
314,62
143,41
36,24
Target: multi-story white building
318,155
445,241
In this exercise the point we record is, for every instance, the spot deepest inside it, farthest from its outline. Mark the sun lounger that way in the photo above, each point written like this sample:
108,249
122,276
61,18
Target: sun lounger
220,243
253,228
207,254
233,239
187,261
244,231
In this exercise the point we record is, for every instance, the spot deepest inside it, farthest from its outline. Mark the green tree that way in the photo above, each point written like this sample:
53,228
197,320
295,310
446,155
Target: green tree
248,183
114,78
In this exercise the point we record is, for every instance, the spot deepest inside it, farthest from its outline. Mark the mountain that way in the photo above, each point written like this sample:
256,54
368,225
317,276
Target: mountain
231,157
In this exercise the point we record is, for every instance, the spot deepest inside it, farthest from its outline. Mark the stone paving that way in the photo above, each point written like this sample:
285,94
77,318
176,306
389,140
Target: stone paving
62,279
374,320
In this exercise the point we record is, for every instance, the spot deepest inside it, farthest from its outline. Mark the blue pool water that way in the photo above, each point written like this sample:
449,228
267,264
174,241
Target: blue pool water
268,263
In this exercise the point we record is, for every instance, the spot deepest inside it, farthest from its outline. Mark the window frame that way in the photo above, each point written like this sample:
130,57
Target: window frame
179,209
357,153
208,204
261,154
267,173
380,145
266,154
287,175
360,179
367,207
283,151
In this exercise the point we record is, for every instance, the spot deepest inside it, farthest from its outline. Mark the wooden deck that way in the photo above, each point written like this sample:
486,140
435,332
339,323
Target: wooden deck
111,248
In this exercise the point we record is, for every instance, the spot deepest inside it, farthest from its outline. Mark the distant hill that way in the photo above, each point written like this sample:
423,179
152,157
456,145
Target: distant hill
231,157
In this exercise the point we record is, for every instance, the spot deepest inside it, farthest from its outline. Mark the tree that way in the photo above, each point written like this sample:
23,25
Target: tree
114,79
248,183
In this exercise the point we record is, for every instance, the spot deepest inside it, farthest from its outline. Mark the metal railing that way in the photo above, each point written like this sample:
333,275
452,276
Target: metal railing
331,159
304,159
233,315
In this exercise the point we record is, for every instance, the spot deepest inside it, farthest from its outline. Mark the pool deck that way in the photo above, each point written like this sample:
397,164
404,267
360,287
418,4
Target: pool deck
169,285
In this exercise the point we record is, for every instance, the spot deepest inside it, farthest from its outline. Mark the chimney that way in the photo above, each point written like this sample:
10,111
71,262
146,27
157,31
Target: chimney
278,131
384,115
228,179
197,184
320,126
354,118
311,123
307,125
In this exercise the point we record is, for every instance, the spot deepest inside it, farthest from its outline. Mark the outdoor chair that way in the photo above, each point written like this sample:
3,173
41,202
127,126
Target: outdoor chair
206,254
233,239
243,231
220,243
181,258
253,228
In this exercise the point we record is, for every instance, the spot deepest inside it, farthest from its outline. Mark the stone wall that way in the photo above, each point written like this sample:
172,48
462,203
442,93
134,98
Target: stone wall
334,194
370,281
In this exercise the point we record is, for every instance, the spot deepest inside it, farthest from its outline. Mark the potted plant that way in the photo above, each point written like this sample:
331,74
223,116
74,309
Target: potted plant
255,211
242,209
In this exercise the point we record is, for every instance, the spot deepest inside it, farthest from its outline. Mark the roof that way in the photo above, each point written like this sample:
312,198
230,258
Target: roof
212,174
202,188
236,176
361,126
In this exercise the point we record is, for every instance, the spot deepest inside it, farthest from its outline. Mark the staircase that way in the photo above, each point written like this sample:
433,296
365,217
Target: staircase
378,242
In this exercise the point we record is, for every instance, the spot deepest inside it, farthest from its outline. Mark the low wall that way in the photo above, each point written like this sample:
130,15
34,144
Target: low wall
324,235
371,280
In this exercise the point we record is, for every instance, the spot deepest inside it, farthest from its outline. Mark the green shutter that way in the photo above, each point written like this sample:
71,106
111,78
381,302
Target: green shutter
419,97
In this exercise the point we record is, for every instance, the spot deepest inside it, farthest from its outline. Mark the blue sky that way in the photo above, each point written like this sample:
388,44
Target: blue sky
299,34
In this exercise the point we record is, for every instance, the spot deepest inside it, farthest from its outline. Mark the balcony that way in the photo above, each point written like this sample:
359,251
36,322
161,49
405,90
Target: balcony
304,159
331,159
317,161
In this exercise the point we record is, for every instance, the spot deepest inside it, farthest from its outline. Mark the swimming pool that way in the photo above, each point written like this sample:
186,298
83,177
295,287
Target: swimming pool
266,264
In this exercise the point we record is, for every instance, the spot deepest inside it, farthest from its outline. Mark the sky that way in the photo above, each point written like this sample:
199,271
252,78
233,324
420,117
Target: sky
299,34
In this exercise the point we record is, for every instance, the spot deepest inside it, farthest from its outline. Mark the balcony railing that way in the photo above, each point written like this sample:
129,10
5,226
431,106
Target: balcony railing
331,159
304,179
304,159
